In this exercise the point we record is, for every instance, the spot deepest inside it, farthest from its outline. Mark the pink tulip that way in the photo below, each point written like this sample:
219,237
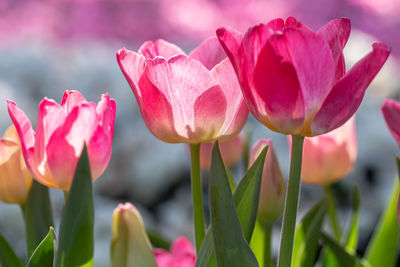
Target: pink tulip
294,79
52,152
185,99
391,113
273,186
181,254
231,152
331,156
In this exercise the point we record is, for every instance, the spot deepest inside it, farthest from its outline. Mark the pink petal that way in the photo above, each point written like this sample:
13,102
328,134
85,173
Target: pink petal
237,111
106,109
132,66
230,40
313,61
72,98
391,113
182,246
336,33
209,52
174,86
276,24
347,94
161,48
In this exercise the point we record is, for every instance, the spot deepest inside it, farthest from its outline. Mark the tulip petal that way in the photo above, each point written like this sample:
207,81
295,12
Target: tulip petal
209,53
347,94
230,40
132,66
312,59
236,110
336,33
391,113
177,82
72,98
161,48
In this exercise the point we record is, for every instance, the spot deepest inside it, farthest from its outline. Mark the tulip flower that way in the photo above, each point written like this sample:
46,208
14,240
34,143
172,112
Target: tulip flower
231,152
130,245
294,79
181,254
15,179
273,186
52,152
391,113
183,98
331,156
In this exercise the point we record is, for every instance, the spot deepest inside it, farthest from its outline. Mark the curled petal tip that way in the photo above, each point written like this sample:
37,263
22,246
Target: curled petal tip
381,46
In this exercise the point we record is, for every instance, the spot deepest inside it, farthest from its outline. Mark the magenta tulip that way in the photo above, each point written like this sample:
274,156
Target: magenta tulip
52,152
391,113
185,99
294,79
181,254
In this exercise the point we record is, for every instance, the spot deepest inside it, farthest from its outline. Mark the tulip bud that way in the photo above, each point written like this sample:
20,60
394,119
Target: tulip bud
231,151
329,157
130,245
182,254
15,179
273,186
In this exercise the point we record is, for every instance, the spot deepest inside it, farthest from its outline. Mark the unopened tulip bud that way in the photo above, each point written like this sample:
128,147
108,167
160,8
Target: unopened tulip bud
231,151
130,246
330,157
181,254
273,186
15,179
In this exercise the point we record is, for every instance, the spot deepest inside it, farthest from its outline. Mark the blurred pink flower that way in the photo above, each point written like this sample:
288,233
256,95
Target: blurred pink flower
231,152
185,99
181,254
391,113
331,156
52,152
294,79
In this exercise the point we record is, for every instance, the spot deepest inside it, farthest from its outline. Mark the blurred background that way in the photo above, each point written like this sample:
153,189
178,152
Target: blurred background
47,47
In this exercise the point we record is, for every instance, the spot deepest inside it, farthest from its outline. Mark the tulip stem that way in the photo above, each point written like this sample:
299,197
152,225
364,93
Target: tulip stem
291,203
332,211
197,195
267,244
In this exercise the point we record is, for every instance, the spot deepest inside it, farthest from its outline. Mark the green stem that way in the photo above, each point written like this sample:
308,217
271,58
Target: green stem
332,211
197,195
291,204
267,244
65,197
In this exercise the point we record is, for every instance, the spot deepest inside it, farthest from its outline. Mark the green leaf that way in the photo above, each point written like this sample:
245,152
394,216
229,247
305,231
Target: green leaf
346,259
307,236
257,243
245,198
158,240
230,245
383,247
38,215
75,244
8,258
44,254
352,238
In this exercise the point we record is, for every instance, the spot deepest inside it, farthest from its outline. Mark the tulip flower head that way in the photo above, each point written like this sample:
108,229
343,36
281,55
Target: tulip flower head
294,79
331,156
273,186
185,99
181,254
231,152
15,179
52,152
391,113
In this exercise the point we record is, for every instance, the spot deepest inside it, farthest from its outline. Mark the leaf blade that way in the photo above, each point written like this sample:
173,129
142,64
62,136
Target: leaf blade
43,255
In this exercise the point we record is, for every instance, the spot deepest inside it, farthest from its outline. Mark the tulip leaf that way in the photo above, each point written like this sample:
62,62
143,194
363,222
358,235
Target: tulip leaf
383,247
245,198
346,258
352,237
44,254
38,215
8,258
307,235
231,247
257,242
75,243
